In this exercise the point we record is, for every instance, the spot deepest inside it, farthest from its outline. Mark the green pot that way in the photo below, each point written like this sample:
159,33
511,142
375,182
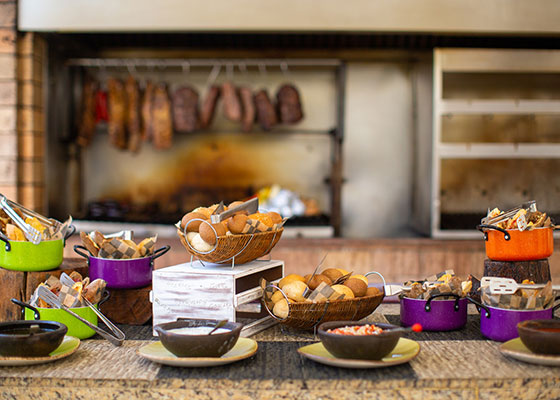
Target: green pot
26,256
76,328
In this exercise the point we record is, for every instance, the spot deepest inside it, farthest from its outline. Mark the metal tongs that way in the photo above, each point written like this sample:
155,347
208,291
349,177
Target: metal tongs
499,285
392,290
52,299
31,234
251,206
530,206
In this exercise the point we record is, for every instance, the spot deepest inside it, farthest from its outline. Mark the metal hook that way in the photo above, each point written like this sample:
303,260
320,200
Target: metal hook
131,67
284,68
229,71
262,69
213,74
186,67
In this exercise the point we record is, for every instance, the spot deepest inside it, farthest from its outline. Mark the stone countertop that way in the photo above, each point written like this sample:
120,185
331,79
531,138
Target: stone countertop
459,364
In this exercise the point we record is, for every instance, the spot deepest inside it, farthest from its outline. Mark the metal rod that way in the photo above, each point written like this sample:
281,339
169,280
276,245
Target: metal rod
199,62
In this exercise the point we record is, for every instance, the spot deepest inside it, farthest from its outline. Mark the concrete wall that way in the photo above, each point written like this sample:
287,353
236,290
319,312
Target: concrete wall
378,150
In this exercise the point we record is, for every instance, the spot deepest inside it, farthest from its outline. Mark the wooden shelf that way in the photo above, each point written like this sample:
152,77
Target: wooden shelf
498,60
499,150
470,63
499,107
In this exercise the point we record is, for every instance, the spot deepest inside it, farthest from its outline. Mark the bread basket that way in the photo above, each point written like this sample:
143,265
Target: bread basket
235,249
307,315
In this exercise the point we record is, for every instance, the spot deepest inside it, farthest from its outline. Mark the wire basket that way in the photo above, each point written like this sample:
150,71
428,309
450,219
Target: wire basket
308,316
235,249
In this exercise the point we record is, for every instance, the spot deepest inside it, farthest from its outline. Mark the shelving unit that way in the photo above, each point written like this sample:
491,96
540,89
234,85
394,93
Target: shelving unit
506,84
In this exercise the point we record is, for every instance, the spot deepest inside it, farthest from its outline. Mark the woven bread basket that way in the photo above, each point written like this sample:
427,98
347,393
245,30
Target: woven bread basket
308,315
238,249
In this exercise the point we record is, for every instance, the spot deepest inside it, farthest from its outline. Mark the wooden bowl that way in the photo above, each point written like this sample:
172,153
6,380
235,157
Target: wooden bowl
363,347
214,345
30,338
540,335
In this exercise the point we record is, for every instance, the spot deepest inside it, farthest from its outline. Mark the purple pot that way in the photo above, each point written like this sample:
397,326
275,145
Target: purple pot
439,315
500,324
122,274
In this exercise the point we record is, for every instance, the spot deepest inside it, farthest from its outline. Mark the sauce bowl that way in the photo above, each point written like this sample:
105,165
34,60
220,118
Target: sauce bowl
184,345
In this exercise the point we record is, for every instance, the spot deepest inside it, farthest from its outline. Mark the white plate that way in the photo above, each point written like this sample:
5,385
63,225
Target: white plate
515,348
404,351
155,351
68,346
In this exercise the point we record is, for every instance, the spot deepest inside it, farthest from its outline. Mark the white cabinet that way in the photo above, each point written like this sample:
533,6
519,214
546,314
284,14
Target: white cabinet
496,135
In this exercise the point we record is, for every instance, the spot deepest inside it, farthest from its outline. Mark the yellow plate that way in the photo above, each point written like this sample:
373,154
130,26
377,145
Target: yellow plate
515,348
68,346
155,351
404,351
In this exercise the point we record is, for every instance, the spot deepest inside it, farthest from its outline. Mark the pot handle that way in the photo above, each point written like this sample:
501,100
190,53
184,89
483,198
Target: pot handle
428,306
481,228
71,230
479,306
77,249
6,240
160,252
556,307
106,296
24,305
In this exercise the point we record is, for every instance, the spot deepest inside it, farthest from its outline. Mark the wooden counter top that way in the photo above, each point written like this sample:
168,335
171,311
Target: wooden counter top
454,364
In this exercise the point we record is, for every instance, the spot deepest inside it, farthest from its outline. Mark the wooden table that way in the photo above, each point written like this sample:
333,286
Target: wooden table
460,364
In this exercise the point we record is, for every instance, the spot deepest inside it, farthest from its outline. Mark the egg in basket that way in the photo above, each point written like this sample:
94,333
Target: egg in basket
234,234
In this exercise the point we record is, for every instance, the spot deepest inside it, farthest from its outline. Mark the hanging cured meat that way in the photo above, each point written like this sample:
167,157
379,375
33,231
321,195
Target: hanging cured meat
185,109
86,129
232,104
249,110
208,108
147,122
288,104
266,113
117,113
133,115
161,118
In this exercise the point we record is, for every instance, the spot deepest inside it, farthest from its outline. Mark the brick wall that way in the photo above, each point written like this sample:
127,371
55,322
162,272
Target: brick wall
8,100
22,119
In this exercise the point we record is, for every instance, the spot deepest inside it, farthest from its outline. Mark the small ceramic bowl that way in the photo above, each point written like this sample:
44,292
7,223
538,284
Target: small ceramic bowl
365,347
30,338
540,335
184,345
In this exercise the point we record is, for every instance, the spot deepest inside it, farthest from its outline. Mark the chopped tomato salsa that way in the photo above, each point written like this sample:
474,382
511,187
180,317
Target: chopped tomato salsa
357,330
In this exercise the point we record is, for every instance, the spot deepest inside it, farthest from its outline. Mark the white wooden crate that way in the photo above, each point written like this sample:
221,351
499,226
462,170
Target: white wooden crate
214,291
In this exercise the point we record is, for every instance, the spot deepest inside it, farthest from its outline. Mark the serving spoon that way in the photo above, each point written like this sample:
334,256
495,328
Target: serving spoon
218,325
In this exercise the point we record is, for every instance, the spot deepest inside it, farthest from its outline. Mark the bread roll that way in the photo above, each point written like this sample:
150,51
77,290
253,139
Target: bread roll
362,277
345,290
210,235
277,296
237,223
199,244
281,309
358,287
343,271
290,278
295,290
263,218
372,291
195,225
235,204
332,273
317,280
275,217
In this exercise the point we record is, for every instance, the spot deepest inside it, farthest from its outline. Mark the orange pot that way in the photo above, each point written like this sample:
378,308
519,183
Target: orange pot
515,245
